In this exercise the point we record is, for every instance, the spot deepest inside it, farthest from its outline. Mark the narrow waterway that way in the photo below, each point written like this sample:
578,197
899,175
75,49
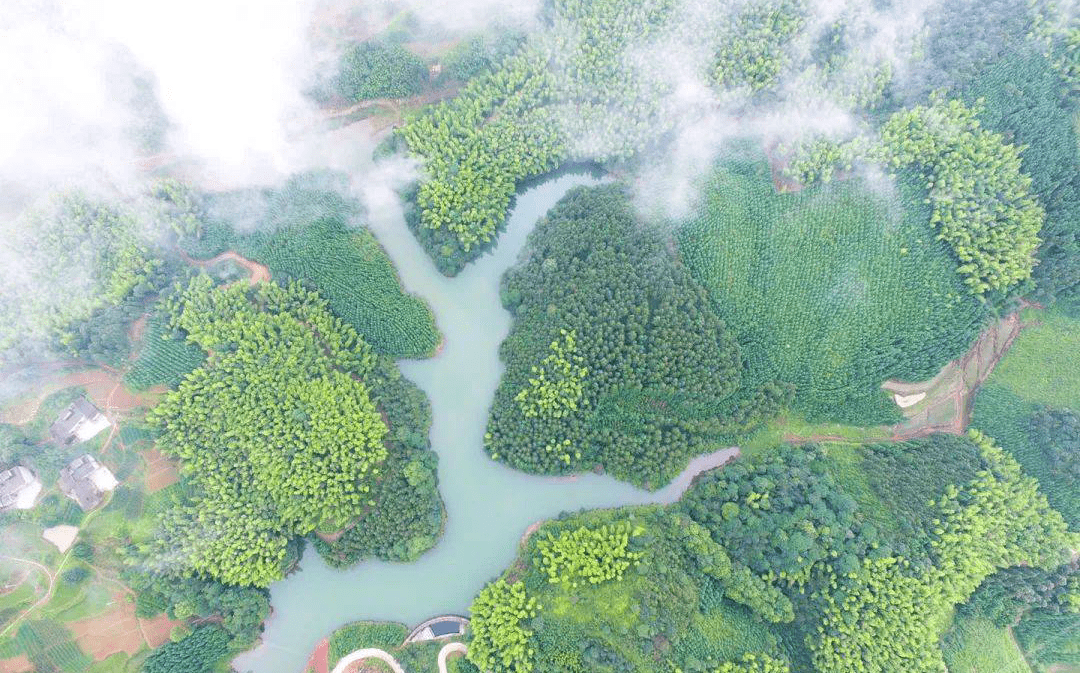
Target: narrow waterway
488,505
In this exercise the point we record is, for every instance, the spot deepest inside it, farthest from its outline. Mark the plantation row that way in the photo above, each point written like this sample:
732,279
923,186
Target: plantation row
306,230
834,289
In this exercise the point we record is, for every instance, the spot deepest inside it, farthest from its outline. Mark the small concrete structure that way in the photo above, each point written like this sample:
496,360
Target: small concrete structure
19,488
444,626
62,536
86,481
79,422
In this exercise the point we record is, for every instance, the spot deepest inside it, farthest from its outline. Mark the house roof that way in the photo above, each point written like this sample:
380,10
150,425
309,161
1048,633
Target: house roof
65,424
86,481
13,482
446,628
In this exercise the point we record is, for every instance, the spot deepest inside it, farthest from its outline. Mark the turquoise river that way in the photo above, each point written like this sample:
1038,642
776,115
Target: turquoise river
488,506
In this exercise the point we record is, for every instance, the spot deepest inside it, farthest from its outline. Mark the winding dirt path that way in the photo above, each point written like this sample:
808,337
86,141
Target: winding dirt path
43,600
259,273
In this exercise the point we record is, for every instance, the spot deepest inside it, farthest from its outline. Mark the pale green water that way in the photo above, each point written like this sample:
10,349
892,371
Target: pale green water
488,505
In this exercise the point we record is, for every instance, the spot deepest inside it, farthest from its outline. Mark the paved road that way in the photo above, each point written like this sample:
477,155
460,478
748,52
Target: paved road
376,653
368,653
446,650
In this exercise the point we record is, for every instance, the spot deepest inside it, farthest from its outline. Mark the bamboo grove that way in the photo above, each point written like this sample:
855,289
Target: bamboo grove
278,433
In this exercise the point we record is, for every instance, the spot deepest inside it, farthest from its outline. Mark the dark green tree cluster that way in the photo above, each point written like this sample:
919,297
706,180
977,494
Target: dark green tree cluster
380,70
781,514
604,319
278,433
1057,433
197,653
1013,594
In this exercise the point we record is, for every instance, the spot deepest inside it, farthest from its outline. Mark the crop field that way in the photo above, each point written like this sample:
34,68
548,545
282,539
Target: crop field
835,289
163,358
51,647
975,645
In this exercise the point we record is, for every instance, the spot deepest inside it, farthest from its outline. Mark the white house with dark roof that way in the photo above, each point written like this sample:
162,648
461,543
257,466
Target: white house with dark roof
19,488
86,481
79,422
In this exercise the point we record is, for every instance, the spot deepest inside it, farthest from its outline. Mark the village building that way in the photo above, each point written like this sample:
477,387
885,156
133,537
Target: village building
79,422
19,488
86,481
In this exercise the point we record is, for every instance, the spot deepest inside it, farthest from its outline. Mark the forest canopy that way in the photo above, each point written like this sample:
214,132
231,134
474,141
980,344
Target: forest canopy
615,358
278,433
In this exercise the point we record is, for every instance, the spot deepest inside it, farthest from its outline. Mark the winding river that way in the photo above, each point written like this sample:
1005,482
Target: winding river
488,505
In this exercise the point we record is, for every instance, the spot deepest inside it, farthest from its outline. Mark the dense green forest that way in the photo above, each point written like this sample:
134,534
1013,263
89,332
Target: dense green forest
615,359
776,562
281,433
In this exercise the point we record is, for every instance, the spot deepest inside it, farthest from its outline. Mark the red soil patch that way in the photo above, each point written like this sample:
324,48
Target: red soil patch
19,664
258,272
160,471
317,662
114,631
119,630
156,631
104,388
138,328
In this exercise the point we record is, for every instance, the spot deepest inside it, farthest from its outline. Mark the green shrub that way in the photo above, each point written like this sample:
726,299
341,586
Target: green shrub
358,635
380,70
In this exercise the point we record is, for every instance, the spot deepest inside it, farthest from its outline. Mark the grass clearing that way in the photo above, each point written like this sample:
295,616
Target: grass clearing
358,635
975,645
725,633
1042,366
